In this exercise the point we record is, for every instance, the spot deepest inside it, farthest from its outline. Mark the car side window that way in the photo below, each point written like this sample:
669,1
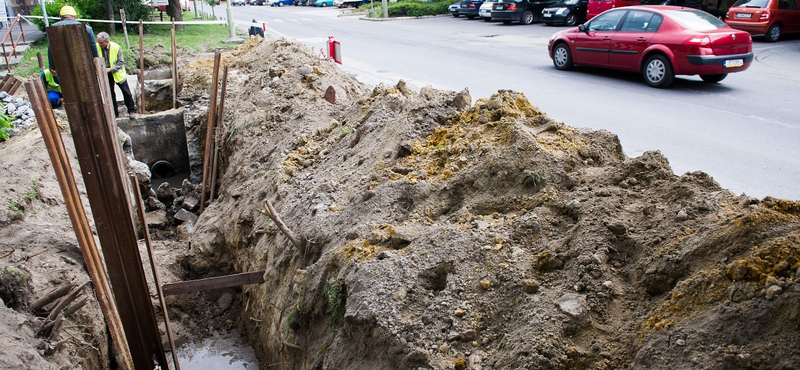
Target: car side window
654,23
638,21
786,5
606,22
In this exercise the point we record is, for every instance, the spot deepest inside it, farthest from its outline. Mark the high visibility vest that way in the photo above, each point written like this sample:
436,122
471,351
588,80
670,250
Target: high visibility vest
52,85
113,51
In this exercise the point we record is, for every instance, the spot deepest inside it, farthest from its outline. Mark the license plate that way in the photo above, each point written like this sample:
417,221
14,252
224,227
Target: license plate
743,15
547,15
731,63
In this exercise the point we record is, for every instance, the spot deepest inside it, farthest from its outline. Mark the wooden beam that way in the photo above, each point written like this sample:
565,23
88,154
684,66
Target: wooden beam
219,282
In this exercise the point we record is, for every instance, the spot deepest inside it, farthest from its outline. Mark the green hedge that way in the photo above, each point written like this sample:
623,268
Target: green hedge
411,8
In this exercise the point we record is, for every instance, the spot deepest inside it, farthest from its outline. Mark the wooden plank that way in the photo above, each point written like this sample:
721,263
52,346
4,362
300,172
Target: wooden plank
97,148
213,283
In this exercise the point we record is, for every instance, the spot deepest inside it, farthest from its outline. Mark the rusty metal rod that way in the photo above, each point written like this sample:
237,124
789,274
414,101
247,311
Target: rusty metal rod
156,279
220,115
80,223
212,110
217,282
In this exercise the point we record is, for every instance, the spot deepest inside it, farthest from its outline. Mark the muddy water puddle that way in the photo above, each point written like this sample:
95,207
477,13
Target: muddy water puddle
221,352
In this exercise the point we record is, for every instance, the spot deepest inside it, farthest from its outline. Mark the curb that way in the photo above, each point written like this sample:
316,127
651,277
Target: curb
403,18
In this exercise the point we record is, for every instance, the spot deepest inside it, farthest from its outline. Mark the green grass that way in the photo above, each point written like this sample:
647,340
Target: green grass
408,8
193,38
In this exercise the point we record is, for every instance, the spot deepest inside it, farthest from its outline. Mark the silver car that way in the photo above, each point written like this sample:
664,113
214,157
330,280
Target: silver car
485,11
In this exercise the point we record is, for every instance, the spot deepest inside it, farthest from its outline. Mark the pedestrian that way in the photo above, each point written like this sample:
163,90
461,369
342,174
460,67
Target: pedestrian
256,30
50,80
115,67
69,16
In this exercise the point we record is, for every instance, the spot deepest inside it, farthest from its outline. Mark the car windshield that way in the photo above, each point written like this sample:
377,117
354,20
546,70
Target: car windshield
566,2
751,4
696,20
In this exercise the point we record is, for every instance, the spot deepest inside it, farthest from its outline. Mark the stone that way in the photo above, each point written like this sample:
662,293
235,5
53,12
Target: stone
191,203
165,194
773,292
186,216
224,302
156,219
530,286
184,231
573,305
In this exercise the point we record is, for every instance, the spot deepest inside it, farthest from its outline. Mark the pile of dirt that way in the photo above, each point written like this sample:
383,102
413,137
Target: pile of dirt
435,233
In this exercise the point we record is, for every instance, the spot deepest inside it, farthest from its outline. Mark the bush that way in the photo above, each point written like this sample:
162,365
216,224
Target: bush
413,8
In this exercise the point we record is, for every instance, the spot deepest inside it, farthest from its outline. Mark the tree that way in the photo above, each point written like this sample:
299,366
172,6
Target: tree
175,12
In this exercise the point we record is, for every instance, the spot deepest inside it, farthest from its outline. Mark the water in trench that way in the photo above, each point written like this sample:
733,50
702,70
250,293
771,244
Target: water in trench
226,351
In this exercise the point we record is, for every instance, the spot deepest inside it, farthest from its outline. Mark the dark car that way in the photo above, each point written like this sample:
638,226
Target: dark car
522,11
470,8
566,12
258,2
657,41
697,4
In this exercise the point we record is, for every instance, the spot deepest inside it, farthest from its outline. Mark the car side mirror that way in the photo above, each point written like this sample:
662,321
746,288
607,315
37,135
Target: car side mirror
582,28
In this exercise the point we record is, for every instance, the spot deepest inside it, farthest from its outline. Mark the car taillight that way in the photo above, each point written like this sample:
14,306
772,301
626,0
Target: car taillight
765,15
512,7
702,41
472,5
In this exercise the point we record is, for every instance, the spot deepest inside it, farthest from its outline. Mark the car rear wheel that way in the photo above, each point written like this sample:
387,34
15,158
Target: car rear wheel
657,71
470,17
713,78
562,57
571,20
506,22
455,15
488,19
773,33
280,4
527,17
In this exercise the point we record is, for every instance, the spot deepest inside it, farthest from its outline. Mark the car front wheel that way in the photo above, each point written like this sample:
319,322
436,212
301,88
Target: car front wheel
713,78
572,20
657,71
562,57
455,15
773,33
527,17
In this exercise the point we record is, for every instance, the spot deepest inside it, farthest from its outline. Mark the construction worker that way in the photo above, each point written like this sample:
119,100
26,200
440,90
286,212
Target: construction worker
69,16
115,67
50,80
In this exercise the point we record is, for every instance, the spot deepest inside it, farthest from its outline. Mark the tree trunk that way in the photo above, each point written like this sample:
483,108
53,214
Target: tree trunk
175,12
110,16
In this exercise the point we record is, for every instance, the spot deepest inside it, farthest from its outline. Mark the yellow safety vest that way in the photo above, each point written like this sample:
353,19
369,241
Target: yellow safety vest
113,50
51,83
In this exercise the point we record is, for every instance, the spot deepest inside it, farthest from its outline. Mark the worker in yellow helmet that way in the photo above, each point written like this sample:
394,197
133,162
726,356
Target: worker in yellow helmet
50,79
69,16
115,68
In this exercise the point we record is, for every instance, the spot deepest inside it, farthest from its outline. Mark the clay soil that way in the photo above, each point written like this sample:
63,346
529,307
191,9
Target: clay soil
435,231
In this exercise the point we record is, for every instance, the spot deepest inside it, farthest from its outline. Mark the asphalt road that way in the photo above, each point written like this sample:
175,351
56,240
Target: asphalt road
744,131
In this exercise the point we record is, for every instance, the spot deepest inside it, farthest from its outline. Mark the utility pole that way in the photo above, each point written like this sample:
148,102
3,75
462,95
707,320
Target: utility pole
229,12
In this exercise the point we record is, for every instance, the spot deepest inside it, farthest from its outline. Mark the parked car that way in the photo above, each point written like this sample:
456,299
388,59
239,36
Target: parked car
324,3
470,8
238,3
258,2
522,11
771,18
697,4
596,7
566,12
486,10
657,41
454,9
348,3
281,2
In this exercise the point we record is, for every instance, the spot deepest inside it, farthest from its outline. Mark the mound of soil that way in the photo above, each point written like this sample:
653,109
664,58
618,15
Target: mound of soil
434,233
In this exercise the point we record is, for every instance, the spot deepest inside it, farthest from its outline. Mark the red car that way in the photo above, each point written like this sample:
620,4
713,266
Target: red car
770,18
657,41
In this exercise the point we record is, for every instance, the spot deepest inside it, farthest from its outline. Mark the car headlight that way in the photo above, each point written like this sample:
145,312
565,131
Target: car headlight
560,11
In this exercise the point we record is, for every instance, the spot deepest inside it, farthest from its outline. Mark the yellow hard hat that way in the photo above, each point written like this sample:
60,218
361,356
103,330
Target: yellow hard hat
68,10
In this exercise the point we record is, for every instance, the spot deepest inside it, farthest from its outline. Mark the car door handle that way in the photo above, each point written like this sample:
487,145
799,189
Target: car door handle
606,38
641,39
